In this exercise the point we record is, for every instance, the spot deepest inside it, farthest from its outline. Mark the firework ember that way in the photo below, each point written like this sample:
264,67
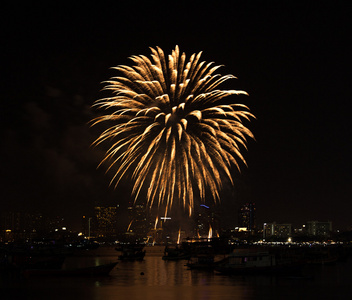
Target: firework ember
172,131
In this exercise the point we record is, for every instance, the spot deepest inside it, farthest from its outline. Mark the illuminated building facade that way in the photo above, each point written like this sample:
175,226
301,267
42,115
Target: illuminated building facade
277,230
246,216
206,219
316,228
20,225
105,222
139,220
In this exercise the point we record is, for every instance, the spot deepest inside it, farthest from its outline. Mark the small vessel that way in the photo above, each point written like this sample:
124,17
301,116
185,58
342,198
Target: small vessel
205,253
175,252
202,261
131,252
250,261
25,257
321,256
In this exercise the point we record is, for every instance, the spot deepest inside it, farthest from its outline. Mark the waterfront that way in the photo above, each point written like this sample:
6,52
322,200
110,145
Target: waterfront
155,278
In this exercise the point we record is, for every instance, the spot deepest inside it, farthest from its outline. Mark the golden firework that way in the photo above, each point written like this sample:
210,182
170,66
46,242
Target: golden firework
172,130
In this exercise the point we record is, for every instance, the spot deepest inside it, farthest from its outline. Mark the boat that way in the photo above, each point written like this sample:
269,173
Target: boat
22,259
131,252
205,253
202,261
321,256
101,270
250,261
215,245
132,256
204,258
174,252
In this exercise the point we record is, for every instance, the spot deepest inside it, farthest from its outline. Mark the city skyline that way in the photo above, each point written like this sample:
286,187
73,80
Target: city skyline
111,223
292,59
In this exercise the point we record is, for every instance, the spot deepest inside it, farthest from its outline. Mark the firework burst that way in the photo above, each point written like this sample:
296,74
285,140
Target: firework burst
171,128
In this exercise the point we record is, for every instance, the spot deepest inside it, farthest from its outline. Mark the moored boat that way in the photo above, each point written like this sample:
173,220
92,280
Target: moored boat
206,253
175,253
22,258
321,256
250,261
201,262
131,252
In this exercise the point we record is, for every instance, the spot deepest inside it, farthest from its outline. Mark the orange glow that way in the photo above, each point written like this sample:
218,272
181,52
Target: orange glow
128,228
210,234
179,236
156,222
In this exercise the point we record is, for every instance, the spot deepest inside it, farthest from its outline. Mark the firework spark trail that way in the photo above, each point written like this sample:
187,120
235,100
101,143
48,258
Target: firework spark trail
210,233
156,222
171,128
129,225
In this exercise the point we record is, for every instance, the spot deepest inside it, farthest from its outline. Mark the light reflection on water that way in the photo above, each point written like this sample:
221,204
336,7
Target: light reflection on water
154,278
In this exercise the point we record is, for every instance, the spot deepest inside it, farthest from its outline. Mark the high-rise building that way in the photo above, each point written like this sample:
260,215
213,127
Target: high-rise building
203,220
22,225
207,221
246,216
105,225
139,223
86,226
277,230
317,228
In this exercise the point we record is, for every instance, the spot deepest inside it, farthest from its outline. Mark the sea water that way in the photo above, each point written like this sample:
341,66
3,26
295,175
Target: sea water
154,278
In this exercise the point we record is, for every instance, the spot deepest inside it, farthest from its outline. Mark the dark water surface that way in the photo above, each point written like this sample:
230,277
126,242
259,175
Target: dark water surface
154,278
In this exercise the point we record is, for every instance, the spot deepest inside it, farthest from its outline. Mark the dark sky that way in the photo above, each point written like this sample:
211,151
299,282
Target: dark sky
293,59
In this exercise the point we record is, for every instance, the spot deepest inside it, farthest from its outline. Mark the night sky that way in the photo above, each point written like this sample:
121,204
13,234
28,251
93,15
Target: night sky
294,60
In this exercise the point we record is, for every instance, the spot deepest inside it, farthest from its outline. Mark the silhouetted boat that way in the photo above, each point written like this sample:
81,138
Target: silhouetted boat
205,253
204,259
131,252
321,256
24,257
249,261
176,252
202,262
